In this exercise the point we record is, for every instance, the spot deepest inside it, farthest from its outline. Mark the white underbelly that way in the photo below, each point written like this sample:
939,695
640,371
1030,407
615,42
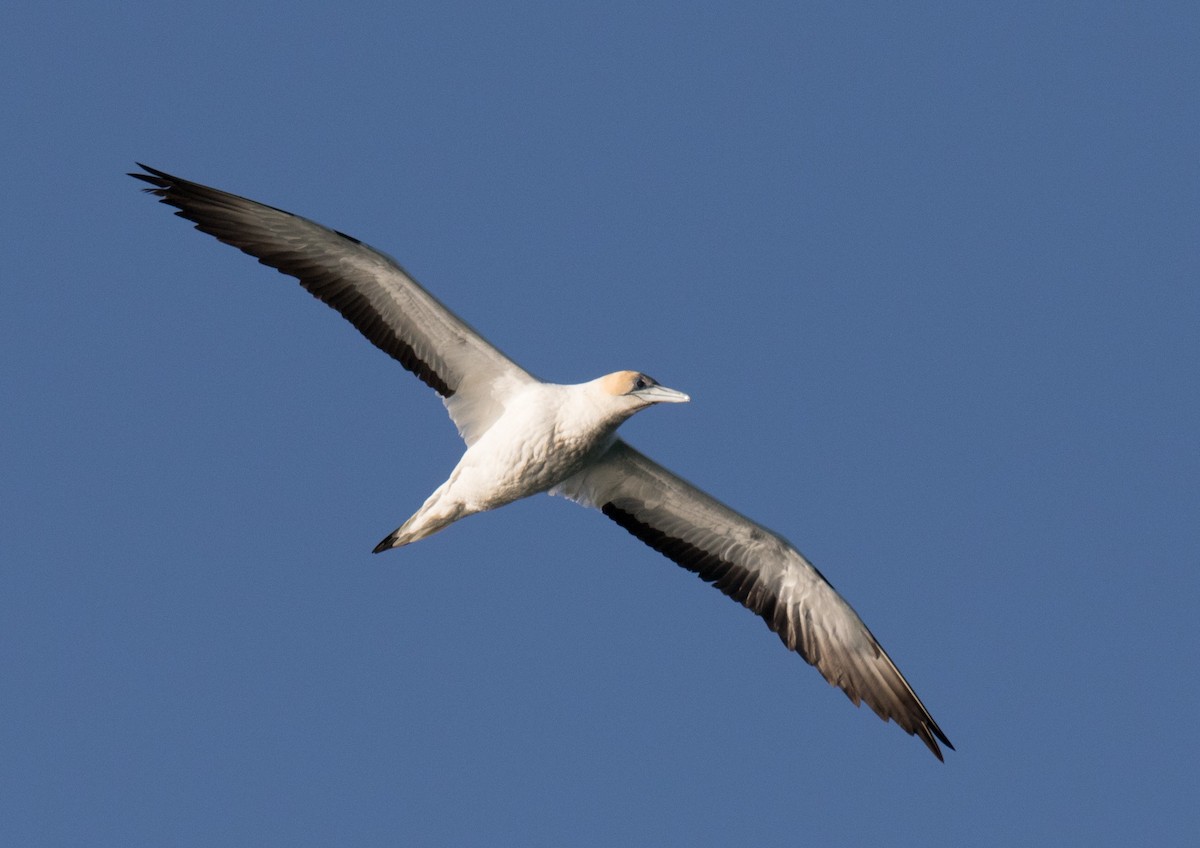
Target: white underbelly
519,460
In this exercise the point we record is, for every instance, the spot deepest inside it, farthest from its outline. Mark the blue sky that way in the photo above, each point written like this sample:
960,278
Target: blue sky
929,274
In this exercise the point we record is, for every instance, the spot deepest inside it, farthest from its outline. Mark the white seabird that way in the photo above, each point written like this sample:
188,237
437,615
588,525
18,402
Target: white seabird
525,436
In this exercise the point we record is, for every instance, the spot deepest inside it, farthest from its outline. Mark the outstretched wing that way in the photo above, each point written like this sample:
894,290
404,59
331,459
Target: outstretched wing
368,288
758,569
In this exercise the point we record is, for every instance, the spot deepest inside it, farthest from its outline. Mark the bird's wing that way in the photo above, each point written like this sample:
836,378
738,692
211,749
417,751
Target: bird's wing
758,569
369,288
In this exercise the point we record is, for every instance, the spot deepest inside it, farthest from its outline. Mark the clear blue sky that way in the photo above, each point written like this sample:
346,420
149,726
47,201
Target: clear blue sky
930,274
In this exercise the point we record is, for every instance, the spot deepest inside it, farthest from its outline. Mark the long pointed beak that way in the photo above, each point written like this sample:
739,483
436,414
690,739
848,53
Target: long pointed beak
661,394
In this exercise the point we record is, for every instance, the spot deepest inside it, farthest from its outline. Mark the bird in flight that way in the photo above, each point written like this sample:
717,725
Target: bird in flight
525,436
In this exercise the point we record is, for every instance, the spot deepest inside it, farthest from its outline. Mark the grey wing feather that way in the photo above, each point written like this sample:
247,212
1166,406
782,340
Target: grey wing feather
367,287
760,570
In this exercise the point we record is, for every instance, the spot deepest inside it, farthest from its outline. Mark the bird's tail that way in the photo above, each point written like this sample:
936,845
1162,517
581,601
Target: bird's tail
429,519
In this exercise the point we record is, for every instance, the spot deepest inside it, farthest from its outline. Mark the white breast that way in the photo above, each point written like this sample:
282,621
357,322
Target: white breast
546,433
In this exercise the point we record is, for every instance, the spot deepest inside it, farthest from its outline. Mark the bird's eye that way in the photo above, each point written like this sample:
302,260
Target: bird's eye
640,383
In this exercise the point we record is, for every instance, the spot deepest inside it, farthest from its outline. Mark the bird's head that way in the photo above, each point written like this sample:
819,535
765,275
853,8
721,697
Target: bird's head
633,390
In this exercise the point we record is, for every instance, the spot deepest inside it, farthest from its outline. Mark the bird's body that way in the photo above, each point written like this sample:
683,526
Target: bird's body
545,434
525,436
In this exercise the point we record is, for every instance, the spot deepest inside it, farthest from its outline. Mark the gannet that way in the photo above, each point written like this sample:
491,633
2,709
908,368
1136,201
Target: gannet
525,436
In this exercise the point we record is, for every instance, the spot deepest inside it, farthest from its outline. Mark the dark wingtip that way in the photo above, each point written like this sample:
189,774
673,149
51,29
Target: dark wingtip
932,743
937,731
385,545
160,180
151,171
